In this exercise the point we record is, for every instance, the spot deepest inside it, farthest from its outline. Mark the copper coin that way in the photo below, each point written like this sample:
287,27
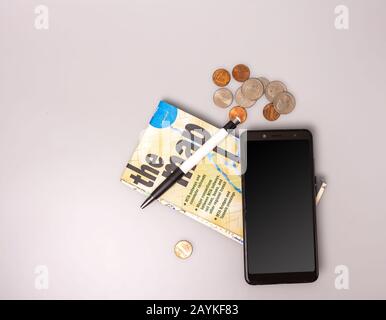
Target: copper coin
264,81
221,77
284,102
183,249
273,89
252,89
270,113
241,72
238,113
242,101
223,98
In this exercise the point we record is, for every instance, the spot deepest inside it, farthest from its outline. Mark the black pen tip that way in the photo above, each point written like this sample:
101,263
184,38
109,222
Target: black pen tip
147,202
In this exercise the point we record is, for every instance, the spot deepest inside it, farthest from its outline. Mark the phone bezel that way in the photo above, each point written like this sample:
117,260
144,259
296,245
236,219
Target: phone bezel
276,278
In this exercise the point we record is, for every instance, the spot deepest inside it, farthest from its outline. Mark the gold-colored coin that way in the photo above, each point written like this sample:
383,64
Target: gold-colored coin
273,89
223,98
252,89
264,81
242,101
241,72
221,77
183,249
284,102
270,113
238,113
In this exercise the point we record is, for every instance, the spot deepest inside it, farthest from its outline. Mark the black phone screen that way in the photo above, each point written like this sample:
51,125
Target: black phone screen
279,209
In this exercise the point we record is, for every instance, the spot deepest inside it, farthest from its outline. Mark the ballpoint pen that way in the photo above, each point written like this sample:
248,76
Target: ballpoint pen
192,161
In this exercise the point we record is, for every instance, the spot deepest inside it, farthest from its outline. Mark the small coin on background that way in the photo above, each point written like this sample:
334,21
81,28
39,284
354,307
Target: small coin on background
270,113
183,249
221,77
274,88
284,102
241,72
264,81
223,98
238,112
252,89
242,100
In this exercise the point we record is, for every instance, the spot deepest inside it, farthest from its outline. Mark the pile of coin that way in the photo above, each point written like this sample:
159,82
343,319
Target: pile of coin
252,89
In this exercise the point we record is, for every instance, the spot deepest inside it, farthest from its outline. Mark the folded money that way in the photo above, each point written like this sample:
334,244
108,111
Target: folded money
211,192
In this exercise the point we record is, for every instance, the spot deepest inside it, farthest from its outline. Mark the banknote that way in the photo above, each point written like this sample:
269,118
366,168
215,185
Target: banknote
211,192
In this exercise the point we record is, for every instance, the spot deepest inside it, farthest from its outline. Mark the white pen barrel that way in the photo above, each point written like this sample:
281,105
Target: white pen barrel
204,150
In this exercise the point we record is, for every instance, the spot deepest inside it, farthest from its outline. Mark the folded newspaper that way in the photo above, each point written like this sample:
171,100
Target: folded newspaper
211,192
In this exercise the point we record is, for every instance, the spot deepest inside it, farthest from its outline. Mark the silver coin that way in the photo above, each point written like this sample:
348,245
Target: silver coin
284,102
243,101
264,81
223,98
274,88
252,89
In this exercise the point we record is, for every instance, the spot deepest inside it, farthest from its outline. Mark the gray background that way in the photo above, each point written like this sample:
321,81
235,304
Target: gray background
75,98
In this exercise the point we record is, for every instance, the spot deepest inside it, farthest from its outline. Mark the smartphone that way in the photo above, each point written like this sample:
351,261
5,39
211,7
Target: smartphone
278,183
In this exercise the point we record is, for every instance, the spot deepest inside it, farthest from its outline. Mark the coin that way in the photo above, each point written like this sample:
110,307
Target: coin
241,72
221,77
270,113
183,249
238,112
223,98
243,101
264,81
284,102
273,88
252,89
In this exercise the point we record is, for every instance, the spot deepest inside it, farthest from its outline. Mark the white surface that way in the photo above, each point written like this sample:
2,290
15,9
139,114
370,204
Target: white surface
75,98
204,150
